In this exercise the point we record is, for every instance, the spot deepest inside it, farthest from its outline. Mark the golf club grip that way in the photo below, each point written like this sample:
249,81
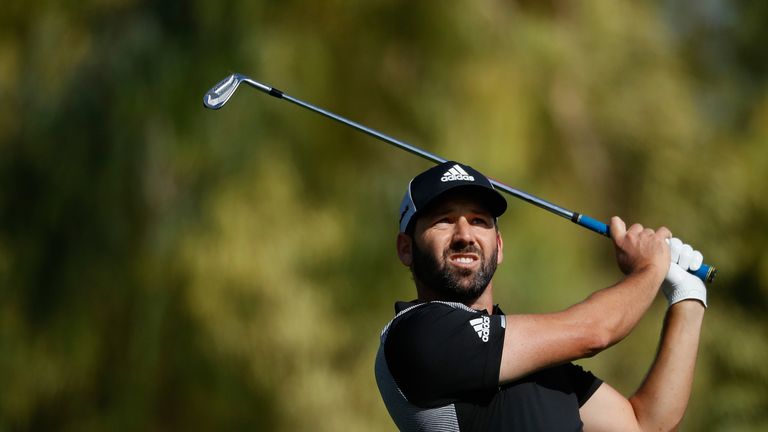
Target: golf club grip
706,272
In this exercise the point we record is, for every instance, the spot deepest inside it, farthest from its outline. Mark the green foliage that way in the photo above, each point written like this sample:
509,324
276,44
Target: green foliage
165,267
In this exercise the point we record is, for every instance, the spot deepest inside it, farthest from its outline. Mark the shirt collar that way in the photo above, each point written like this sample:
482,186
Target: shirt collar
402,305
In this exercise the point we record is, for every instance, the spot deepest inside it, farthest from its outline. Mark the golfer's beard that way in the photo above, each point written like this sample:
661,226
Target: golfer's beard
453,283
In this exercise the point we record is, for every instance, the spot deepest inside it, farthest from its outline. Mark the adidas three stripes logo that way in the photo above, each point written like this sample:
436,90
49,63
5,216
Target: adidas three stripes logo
456,173
482,326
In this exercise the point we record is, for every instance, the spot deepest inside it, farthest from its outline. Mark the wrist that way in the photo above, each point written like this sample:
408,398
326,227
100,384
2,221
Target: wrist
690,304
654,271
692,309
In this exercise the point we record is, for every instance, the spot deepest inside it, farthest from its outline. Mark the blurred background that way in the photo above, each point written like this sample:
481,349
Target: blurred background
165,267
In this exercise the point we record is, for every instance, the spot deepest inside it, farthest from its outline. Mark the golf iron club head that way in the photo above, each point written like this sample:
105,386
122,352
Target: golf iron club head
221,92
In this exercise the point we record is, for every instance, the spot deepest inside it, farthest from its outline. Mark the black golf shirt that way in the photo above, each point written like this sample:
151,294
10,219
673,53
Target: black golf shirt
438,369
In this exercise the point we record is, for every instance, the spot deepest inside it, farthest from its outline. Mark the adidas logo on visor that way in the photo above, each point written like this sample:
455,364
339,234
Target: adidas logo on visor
456,173
482,327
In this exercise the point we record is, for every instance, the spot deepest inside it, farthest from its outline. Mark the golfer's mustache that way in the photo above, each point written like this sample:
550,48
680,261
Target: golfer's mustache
462,248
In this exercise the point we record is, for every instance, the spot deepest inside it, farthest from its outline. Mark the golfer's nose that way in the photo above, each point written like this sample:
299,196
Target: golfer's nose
462,231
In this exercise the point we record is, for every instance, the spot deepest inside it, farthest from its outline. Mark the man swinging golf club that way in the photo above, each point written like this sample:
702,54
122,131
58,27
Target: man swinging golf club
452,361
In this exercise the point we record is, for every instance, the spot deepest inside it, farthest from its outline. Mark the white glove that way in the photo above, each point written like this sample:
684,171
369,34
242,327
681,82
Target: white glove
680,285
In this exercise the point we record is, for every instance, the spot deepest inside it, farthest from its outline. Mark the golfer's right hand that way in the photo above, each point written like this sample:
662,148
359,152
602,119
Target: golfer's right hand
639,248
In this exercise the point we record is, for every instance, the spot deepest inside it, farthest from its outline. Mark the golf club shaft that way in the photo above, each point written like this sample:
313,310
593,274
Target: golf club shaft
705,272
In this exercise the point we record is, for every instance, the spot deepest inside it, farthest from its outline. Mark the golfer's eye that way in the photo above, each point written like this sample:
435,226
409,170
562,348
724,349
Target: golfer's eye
481,221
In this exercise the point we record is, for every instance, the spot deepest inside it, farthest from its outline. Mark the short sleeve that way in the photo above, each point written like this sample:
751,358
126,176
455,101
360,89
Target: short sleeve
439,354
583,382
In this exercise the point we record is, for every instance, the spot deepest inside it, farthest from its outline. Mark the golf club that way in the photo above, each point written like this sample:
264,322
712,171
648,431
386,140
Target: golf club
217,96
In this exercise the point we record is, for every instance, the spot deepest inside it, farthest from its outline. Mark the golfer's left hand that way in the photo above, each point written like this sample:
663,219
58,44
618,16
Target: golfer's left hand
680,285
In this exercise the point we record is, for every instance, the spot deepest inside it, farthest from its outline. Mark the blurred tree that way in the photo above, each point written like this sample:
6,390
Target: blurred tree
163,267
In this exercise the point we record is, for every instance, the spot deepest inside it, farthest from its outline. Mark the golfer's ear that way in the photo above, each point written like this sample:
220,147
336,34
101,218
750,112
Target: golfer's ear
404,249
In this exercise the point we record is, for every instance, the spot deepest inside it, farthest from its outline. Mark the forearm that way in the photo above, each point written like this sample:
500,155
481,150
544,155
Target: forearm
661,400
616,310
533,342
643,255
